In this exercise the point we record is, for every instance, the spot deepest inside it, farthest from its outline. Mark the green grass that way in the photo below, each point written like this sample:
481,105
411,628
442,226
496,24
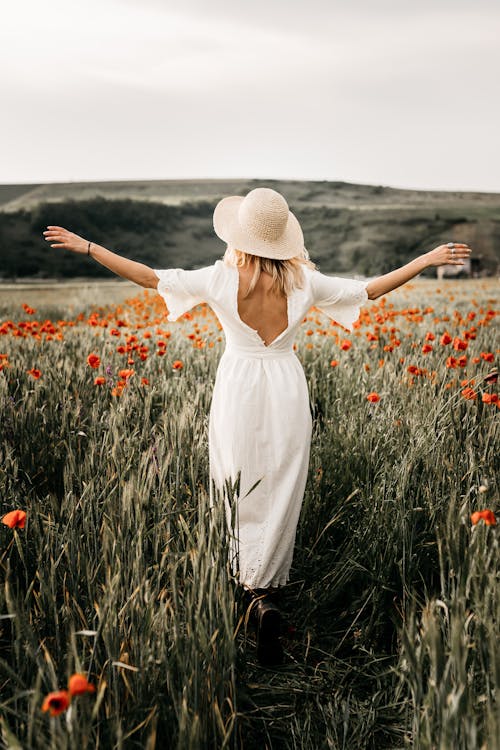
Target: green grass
122,569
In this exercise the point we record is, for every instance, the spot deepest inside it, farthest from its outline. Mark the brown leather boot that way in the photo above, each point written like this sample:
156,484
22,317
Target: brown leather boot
267,618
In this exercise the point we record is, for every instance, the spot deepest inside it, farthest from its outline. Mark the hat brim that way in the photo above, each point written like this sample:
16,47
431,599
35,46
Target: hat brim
228,228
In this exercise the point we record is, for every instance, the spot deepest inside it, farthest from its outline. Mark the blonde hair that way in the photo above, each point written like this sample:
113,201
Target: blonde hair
286,274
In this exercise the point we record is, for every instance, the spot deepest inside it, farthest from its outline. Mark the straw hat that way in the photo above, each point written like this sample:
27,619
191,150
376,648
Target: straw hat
259,223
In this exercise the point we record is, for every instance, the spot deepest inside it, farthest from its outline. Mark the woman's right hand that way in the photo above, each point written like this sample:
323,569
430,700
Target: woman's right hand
66,239
442,256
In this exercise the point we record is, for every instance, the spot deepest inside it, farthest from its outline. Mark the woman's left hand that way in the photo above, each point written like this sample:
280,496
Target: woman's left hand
442,255
65,239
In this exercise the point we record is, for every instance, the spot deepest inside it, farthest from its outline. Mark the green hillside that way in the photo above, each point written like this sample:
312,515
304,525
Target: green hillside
348,228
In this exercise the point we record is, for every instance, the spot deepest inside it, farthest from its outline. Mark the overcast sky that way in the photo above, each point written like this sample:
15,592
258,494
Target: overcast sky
393,92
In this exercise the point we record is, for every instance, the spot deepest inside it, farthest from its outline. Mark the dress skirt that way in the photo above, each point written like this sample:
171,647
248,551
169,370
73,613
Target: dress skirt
260,425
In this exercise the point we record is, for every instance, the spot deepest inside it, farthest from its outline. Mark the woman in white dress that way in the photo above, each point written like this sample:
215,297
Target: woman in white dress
260,420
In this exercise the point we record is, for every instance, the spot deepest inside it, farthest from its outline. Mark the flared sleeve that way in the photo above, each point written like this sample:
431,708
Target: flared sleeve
183,290
340,299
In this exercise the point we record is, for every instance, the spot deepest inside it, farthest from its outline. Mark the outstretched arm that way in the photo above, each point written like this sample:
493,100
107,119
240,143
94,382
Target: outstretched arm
441,255
139,273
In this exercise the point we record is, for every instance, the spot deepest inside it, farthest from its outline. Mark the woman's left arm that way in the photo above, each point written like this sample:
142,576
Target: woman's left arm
139,273
441,255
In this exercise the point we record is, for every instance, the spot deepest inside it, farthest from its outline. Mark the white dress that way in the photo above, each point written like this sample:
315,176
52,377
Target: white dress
260,419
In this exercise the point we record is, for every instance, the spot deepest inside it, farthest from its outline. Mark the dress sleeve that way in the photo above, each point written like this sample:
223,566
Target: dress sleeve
183,289
340,299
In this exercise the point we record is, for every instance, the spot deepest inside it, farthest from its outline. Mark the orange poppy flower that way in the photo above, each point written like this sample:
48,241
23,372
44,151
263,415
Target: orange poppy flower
56,702
177,365
126,373
373,397
487,515
333,363
99,380
426,348
34,373
345,344
93,360
469,393
144,381
78,684
445,339
15,519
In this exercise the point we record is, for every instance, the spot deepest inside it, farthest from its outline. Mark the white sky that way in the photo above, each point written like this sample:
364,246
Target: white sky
392,92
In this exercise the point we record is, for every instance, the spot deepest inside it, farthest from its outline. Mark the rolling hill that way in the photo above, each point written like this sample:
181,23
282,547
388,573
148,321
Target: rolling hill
348,228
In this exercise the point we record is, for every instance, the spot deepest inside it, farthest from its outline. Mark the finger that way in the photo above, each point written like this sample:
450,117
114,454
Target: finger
61,245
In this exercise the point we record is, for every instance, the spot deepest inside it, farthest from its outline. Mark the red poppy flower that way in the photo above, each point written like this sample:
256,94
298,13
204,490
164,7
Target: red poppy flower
34,373
333,363
414,370
93,360
78,684
99,380
56,702
177,365
487,515
373,397
445,339
487,356
345,344
126,373
490,398
15,519
459,344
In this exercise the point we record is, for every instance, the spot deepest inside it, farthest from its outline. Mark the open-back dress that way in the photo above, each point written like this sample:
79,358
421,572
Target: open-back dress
260,420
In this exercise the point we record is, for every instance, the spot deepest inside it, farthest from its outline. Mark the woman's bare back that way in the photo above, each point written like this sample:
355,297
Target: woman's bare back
262,310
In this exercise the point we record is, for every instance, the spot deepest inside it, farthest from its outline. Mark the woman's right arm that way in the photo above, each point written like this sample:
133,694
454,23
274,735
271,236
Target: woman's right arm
139,273
441,255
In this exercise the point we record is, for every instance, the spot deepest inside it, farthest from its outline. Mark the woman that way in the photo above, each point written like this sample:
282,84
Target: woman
260,421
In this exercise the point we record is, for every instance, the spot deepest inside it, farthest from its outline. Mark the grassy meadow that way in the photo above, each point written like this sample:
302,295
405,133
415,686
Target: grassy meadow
121,573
